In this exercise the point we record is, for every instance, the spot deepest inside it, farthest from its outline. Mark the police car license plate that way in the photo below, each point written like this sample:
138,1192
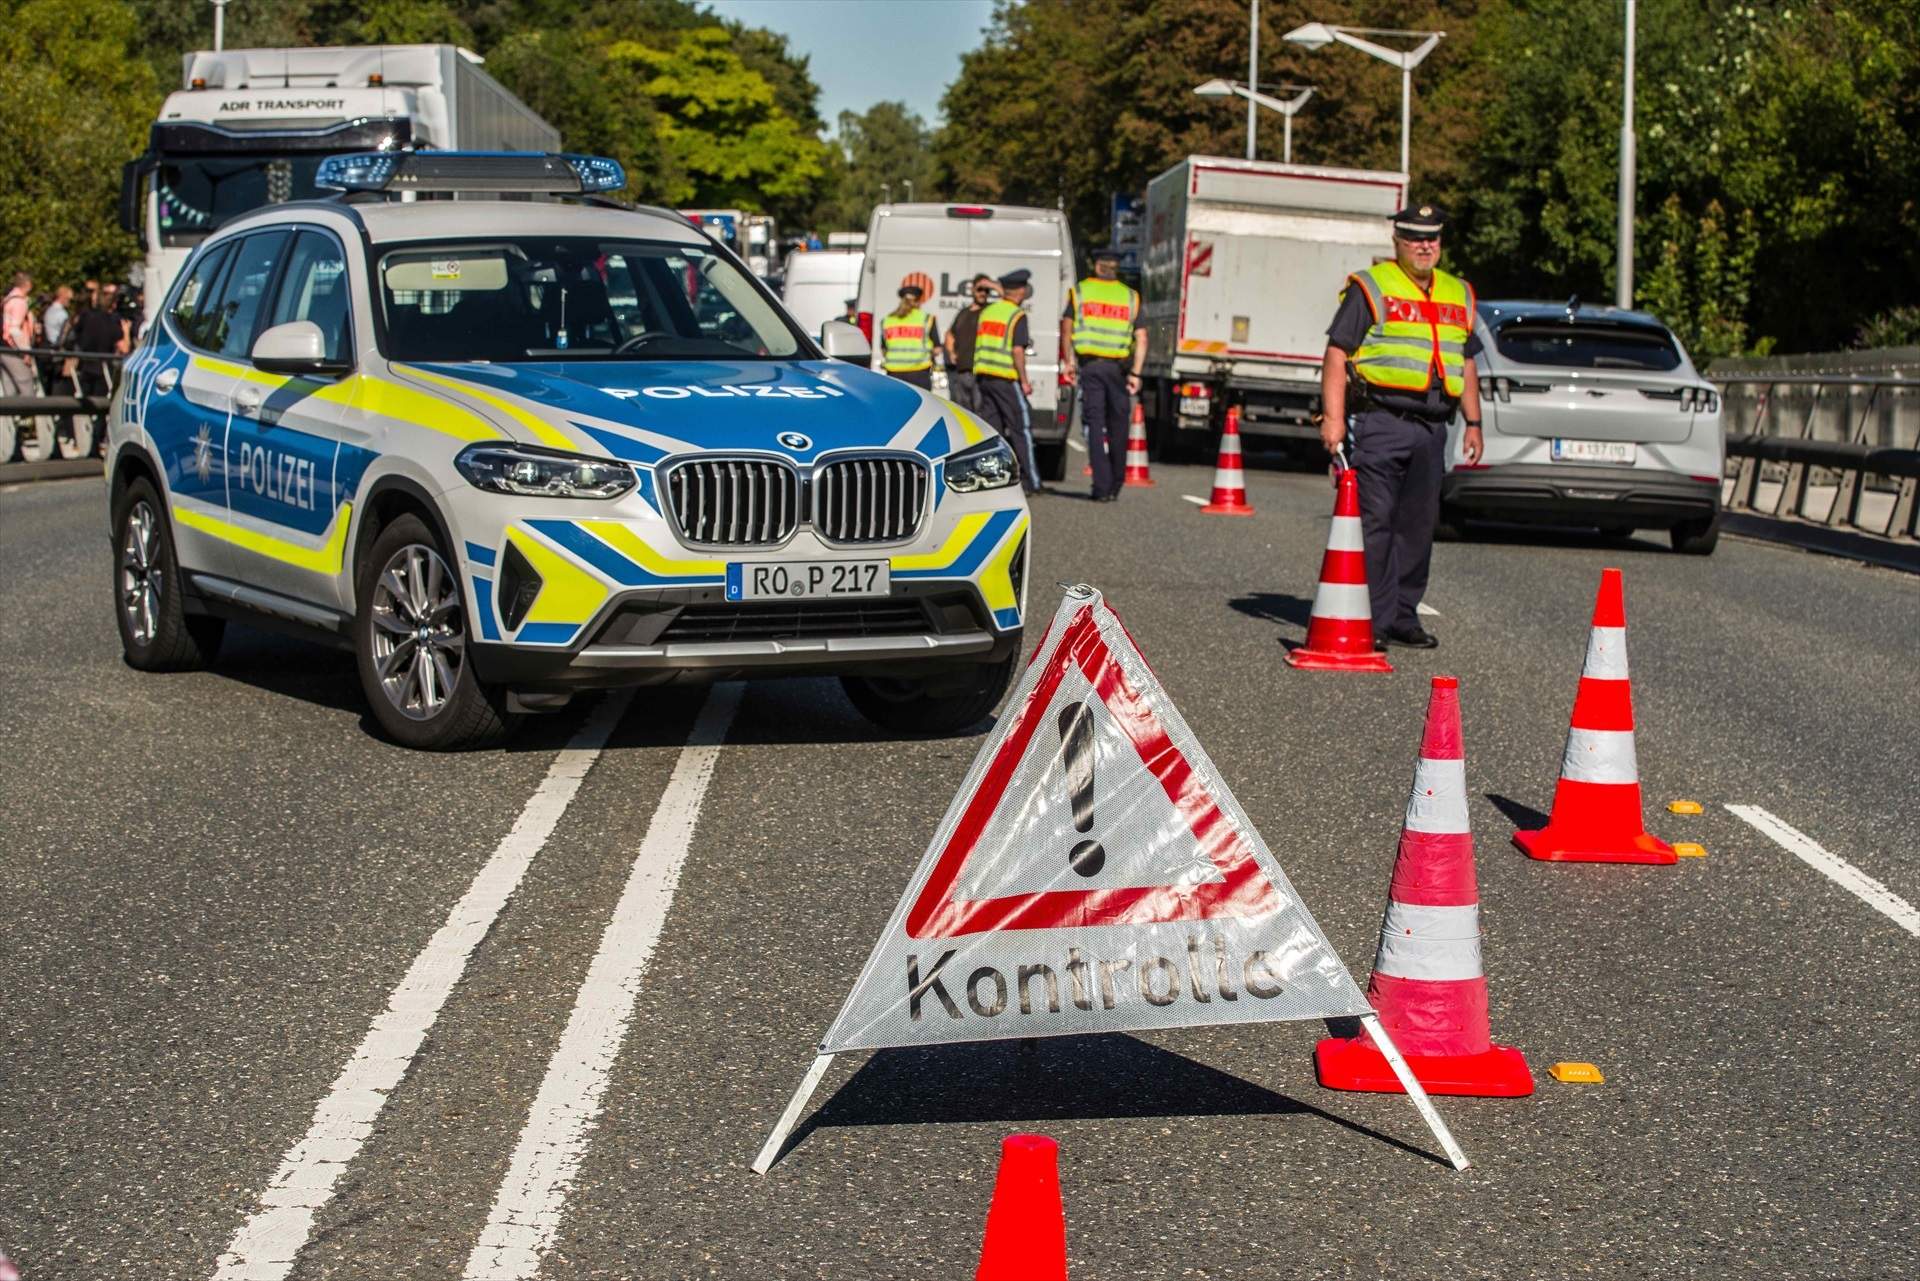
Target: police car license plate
1594,451
806,579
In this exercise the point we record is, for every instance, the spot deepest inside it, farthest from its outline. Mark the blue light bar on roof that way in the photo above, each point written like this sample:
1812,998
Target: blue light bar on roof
471,171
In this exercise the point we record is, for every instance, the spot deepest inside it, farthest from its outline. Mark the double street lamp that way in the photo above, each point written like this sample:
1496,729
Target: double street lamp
1287,107
1317,35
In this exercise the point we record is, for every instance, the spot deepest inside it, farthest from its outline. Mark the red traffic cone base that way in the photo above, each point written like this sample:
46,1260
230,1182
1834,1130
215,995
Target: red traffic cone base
1596,805
1354,1064
1428,984
1026,1223
1340,631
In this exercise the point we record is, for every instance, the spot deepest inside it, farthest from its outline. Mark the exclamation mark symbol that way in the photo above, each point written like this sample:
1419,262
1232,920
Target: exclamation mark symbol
1076,754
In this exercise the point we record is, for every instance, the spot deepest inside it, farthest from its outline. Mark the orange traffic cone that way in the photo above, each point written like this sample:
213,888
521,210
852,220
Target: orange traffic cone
1427,981
1596,807
1026,1224
1229,485
1340,630
1138,475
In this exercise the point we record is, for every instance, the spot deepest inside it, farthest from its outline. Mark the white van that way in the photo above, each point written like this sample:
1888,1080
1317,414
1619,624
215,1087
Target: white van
946,245
818,284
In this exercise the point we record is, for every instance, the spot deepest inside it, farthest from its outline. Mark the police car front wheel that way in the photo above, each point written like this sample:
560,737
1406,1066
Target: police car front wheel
156,632
946,707
410,636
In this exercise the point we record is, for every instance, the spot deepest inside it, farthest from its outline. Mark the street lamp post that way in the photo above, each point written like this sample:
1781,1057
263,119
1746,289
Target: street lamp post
1623,273
1287,107
1317,35
1253,75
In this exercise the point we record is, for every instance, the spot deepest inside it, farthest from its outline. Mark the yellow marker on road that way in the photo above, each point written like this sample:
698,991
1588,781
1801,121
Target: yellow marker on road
1577,1073
1687,849
1684,807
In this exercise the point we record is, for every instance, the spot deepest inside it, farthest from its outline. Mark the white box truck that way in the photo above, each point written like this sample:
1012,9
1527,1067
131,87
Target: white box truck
248,127
1244,265
941,247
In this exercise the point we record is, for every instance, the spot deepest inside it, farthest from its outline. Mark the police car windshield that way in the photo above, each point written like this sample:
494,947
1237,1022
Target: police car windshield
574,298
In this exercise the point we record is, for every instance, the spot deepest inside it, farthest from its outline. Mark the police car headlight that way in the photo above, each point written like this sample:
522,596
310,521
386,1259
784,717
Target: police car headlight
541,473
988,465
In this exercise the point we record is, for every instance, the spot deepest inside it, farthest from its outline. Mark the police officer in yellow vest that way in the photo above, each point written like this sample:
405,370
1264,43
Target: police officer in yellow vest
1399,363
1000,371
908,336
1109,350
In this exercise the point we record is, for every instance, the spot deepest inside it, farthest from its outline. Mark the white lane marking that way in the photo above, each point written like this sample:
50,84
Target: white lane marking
527,1209
1195,499
1427,609
265,1247
1074,444
1833,867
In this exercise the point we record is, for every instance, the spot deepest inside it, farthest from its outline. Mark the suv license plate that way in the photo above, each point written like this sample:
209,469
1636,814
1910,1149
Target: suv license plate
806,579
1594,451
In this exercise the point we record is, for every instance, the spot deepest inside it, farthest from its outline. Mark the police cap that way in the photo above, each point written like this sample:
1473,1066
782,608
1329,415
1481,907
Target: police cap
1106,253
1420,220
1016,279
910,291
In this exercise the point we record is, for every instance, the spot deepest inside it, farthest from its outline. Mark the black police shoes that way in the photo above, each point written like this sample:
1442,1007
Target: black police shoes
1415,637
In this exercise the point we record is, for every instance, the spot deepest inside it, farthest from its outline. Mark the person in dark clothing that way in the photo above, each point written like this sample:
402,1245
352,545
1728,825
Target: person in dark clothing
960,339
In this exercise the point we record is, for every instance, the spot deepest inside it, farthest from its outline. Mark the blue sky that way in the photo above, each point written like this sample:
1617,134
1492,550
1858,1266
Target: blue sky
867,51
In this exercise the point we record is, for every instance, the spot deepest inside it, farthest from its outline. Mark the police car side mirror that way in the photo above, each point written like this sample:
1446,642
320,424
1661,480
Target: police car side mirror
297,347
842,341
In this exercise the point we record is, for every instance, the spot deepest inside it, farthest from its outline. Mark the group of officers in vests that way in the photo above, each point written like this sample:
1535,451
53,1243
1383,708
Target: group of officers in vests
1399,364
985,354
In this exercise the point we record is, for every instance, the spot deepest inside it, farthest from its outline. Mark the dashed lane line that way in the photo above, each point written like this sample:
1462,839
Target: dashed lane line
1427,609
266,1245
1833,867
1075,445
527,1209
1195,499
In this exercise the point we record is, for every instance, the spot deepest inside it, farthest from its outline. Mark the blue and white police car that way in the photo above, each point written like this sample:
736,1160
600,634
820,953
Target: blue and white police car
527,442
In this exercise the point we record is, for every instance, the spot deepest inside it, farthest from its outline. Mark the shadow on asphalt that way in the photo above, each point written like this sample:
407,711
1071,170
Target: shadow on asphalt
1524,817
1555,536
1274,607
1068,1078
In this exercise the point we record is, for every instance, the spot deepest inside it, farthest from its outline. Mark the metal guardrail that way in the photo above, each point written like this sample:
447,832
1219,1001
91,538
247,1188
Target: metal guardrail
28,406
1797,462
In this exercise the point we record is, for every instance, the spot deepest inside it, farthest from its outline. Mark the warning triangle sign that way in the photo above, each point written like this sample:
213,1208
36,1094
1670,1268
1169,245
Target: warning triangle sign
1094,873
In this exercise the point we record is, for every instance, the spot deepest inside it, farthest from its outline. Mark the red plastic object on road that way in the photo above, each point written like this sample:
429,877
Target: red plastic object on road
1428,984
1229,483
1139,475
1340,631
1596,806
1026,1224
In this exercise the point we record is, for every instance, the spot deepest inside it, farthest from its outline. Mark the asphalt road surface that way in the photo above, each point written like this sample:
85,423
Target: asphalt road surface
214,885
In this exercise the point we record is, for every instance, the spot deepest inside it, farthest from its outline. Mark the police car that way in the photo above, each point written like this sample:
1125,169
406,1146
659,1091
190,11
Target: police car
510,449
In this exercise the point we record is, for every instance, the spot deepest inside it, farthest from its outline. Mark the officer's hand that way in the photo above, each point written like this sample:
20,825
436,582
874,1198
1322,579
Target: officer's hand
1133,384
1472,444
1332,433
1026,387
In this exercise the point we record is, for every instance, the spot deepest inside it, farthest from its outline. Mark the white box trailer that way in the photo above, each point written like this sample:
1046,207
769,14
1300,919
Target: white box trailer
248,127
1244,266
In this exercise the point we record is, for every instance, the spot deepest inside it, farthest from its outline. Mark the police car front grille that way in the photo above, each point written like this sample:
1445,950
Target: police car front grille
734,502
781,620
869,500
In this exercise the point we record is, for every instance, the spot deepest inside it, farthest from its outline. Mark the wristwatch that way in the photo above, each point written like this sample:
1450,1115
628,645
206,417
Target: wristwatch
1472,422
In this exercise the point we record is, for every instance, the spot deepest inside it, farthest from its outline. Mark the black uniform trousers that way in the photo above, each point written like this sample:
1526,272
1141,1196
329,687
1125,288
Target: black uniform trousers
921,378
1398,461
1105,409
1005,408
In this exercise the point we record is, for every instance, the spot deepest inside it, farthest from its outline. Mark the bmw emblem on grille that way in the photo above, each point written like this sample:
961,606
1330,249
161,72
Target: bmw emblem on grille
795,441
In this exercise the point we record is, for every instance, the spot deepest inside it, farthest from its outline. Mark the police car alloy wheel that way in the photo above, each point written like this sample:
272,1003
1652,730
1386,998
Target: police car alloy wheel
410,637
156,632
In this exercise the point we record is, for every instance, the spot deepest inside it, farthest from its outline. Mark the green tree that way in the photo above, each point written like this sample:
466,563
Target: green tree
79,98
884,146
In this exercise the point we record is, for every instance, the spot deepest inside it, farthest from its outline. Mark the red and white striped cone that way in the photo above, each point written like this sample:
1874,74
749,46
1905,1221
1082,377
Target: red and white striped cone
1428,984
1229,485
1138,474
1596,808
1340,631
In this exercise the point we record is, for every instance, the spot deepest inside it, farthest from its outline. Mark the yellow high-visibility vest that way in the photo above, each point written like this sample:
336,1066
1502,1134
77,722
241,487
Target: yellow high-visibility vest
1103,318
909,341
1414,330
993,340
